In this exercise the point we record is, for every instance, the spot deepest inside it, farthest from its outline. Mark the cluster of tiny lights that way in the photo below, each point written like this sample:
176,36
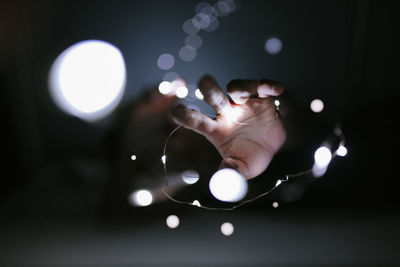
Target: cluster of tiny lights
206,19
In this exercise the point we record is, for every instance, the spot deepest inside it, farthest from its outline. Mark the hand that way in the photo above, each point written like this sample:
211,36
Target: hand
247,133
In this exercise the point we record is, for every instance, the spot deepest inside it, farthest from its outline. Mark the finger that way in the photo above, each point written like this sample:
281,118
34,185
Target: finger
213,94
193,120
269,88
241,90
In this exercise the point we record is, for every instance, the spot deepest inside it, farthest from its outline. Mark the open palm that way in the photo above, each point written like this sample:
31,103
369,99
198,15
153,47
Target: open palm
247,132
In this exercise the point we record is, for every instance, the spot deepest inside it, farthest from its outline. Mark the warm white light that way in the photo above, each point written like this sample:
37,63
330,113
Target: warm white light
164,159
322,157
278,183
317,105
196,203
172,221
88,79
190,176
318,171
232,113
198,94
133,157
181,92
227,228
341,151
166,61
165,88
275,204
277,103
228,185
141,198
273,46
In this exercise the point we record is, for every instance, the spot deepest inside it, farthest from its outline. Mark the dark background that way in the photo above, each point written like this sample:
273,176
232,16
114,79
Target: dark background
56,168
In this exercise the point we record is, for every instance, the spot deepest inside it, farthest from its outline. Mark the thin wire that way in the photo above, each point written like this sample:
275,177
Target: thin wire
279,182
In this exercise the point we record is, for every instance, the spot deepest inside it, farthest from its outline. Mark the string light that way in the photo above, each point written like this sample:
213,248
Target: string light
228,185
275,204
323,157
133,157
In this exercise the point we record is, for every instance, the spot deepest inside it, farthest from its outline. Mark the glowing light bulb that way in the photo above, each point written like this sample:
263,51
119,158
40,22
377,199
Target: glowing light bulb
198,94
133,157
164,159
196,203
141,198
190,176
88,79
181,92
278,183
228,185
277,103
172,221
275,204
322,157
227,228
232,114
165,88
341,151
317,105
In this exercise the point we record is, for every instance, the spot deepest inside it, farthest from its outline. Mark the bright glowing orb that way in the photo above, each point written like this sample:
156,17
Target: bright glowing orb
133,157
190,176
322,157
141,198
275,204
228,185
181,92
165,88
172,221
198,94
88,79
341,151
317,105
227,228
